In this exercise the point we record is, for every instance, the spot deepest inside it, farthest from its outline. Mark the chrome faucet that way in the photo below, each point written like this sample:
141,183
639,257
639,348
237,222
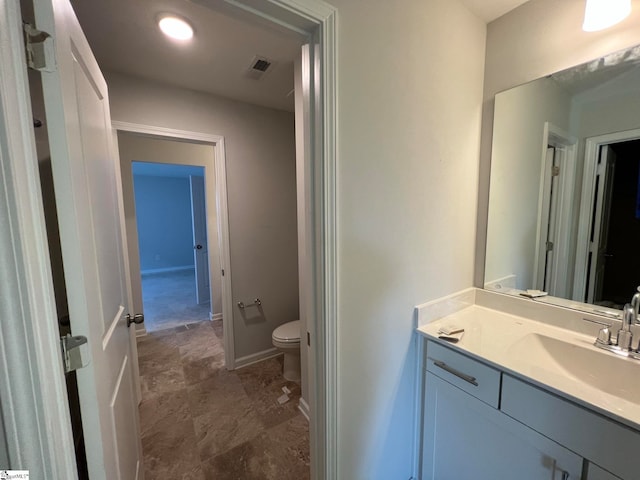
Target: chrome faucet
635,304
625,337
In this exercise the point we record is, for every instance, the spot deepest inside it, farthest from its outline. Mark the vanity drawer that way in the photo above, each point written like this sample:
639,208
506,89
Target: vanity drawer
603,441
475,378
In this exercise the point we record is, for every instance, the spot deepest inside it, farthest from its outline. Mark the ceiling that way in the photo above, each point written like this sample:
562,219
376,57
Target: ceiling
124,37
489,10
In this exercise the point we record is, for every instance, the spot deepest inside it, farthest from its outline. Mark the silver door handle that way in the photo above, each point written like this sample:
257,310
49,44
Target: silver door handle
137,318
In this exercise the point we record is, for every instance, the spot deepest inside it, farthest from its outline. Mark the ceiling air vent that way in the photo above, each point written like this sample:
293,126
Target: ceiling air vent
259,67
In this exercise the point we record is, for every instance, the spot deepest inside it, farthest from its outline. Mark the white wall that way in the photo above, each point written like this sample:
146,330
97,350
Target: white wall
516,166
536,39
261,187
409,106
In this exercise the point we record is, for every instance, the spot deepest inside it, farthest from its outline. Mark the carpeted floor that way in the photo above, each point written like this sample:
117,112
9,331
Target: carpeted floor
170,300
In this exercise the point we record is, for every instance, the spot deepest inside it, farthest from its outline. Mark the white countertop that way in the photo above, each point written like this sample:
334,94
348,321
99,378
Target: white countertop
554,358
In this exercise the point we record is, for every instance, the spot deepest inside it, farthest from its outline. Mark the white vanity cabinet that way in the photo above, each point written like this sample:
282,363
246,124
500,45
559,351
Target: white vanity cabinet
467,437
483,424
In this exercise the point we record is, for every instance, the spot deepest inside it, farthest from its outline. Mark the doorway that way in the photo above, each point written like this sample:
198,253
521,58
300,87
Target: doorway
200,165
616,263
555,210
42,404
609,226
171,220
172,149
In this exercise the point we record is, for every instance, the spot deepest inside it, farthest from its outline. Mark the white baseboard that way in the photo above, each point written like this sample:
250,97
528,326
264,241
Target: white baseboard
256,357
303,406
166,269
215,316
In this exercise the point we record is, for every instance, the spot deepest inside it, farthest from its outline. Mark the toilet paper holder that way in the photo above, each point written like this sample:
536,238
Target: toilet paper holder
257,302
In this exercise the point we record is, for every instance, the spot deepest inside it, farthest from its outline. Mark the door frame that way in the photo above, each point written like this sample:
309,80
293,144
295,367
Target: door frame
35,409
34,406
565,151
583,247
222,216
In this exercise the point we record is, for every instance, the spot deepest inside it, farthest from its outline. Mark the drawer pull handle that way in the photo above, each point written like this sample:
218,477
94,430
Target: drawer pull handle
457,373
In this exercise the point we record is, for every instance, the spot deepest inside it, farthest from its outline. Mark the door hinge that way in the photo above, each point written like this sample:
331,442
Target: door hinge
39,49
72,358
549,246
308,339
223,272
555,171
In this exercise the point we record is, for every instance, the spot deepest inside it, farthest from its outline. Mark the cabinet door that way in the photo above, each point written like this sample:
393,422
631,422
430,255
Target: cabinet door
465,438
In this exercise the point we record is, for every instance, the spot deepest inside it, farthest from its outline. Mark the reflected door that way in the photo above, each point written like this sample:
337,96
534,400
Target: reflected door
600,227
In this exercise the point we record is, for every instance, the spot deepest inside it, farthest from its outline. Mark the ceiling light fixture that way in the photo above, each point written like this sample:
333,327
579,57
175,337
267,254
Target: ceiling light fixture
601,14
175,27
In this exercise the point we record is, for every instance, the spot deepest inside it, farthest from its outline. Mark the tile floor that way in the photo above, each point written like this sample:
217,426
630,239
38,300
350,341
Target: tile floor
202,422
170,300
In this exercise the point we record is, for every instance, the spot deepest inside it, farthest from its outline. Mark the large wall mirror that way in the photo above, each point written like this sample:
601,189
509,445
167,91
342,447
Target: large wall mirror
564,204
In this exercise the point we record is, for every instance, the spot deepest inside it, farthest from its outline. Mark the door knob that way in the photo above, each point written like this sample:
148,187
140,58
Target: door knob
137,318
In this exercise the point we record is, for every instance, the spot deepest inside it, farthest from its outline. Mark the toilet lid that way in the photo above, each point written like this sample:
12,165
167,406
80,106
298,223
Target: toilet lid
288,332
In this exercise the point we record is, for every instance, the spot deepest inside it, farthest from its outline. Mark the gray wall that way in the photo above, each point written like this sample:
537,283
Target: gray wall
261,185
163,214
536,39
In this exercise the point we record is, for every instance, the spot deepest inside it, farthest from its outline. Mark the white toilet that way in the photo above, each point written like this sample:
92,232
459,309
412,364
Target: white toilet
286,338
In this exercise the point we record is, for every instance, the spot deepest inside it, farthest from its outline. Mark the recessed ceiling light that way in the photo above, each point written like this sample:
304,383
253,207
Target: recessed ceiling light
175,27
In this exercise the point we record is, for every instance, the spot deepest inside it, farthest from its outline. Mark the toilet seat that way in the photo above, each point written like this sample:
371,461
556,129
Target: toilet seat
287,333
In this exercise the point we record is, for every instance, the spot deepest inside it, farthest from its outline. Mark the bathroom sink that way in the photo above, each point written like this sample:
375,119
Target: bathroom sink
604,371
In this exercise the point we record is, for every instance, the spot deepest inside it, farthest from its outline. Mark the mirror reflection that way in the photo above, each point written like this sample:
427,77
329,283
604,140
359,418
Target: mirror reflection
564,205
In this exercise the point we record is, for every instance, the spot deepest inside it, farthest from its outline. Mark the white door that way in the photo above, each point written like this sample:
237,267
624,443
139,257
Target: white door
548,209
87,190
600,227
200,249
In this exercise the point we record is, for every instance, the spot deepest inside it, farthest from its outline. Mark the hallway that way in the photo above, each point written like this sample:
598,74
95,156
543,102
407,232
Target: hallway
202,422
